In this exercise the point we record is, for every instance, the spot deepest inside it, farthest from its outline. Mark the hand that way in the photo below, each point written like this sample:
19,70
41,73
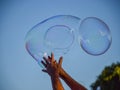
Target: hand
55,70
51,66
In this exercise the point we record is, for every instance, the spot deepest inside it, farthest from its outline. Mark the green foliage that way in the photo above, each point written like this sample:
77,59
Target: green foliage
109,79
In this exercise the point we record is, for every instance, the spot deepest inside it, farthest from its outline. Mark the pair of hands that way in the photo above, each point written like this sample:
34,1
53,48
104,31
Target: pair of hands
55,70
52,67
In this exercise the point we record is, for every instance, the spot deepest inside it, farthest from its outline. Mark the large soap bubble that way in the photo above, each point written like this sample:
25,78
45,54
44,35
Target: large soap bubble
55,34
95,36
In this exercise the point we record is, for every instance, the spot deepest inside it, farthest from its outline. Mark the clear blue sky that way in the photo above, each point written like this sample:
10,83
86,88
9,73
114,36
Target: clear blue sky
19,71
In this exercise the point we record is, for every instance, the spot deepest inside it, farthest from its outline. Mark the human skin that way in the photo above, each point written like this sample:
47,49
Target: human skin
58,71
51,67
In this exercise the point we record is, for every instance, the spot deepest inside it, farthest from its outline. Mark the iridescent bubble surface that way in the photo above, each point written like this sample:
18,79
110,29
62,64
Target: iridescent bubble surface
55,34
95,37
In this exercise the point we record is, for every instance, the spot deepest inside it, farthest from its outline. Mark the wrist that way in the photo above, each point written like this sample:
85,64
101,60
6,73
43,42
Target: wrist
55,75
62,73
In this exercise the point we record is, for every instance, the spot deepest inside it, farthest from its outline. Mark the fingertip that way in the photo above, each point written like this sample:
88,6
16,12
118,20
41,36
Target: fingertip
44,70
43,63
52,55
44,58
49,57
60,60
61,57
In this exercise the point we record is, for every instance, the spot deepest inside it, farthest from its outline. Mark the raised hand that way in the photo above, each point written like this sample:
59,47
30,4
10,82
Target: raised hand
51,65
53,69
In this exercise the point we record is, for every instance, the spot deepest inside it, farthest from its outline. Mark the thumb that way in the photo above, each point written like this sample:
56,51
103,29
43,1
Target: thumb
60,61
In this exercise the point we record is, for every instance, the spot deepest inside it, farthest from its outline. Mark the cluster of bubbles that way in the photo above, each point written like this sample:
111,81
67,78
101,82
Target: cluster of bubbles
58,33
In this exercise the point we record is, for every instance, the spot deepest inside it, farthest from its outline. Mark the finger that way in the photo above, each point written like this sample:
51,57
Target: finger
55,62
44,70
46,60
49,58
52,57
43,64
60,61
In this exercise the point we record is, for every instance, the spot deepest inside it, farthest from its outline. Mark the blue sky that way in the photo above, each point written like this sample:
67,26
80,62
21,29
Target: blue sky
19,71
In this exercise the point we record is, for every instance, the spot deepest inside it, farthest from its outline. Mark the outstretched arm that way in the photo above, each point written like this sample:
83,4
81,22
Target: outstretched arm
74,85
52,69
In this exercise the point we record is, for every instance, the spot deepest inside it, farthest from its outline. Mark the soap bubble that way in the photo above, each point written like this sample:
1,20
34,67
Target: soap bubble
59,38
95,36
55,34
